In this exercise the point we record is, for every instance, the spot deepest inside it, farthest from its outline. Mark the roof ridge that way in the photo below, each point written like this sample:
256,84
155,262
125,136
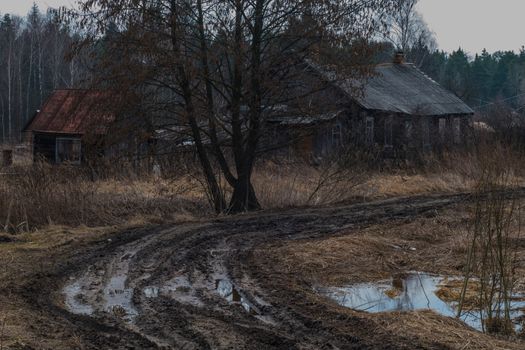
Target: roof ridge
440,97
429,78
71,111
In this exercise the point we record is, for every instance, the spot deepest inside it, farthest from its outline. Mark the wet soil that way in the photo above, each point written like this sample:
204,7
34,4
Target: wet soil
200,286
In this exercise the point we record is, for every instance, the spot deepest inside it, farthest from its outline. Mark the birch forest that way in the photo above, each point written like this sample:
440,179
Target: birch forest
33,62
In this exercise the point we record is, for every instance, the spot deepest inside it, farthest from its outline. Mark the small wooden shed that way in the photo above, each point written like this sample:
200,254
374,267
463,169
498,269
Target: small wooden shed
57,131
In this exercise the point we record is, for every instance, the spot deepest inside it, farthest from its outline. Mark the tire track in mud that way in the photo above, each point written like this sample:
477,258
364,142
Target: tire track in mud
193,287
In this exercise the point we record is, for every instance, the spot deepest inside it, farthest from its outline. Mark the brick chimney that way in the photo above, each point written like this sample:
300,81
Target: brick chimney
399,57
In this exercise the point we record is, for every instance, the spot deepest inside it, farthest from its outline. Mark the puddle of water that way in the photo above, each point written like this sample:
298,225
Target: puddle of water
118,298
228,291
178,288
90,294
75,300
180,284
181,289
414,291
151,292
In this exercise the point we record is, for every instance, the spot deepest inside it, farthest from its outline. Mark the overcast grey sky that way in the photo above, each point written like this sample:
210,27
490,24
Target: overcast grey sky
476,24
21,7
471,24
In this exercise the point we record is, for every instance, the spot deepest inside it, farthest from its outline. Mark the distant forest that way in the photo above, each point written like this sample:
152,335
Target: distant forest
35,59
480,80
33,63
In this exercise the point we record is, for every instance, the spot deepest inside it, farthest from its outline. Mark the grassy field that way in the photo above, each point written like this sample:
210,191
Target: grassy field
37,196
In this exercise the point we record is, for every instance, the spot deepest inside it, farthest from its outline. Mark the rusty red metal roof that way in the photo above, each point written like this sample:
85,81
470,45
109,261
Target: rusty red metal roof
73,112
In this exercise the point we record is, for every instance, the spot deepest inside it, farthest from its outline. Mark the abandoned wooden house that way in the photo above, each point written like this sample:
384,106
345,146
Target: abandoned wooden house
57,133
397,110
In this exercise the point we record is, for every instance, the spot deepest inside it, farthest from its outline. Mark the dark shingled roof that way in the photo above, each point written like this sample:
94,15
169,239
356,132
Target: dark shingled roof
73,112
402,88
399,88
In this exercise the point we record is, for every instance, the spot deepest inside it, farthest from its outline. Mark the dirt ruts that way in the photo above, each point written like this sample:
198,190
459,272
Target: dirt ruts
197,285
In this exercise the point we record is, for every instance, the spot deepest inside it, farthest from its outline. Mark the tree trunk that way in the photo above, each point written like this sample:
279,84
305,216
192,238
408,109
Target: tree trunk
223,163
40,74
29,76
216,194
3,117
243,198
9,89
21,118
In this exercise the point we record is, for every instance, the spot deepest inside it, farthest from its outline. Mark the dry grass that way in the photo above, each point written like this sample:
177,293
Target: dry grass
392,185
284,185
451,291
294,185
41,195
436,245
281,184
449,333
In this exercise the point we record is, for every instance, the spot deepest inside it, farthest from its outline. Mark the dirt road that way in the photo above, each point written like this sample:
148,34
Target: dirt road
200,285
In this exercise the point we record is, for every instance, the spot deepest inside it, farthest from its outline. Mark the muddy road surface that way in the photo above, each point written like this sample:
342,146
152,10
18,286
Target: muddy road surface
200,285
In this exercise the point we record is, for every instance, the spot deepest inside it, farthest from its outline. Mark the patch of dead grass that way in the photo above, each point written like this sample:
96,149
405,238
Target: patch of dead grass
293,186
392,185
433,245
30,255
450,291
435,330
42,195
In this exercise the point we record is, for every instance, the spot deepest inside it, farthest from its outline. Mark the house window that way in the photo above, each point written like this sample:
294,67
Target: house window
425,131
442,128
337,135
389,122
409,129
369,130
68,150
457,130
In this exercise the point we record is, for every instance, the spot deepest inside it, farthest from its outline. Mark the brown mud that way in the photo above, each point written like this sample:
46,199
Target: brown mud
200,286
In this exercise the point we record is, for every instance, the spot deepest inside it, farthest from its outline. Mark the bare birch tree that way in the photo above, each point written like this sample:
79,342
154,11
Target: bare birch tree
407,29
32,65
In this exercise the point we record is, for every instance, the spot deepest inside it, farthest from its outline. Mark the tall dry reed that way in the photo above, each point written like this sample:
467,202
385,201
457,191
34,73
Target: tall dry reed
492,256
42,194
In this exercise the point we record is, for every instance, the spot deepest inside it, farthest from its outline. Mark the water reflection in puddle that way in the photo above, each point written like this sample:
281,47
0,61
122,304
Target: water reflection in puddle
413,291
226,290
151,292
118,298
75,300
178,288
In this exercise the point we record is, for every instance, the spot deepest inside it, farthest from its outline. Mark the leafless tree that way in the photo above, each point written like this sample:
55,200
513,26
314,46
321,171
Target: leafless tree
219,69
407,28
